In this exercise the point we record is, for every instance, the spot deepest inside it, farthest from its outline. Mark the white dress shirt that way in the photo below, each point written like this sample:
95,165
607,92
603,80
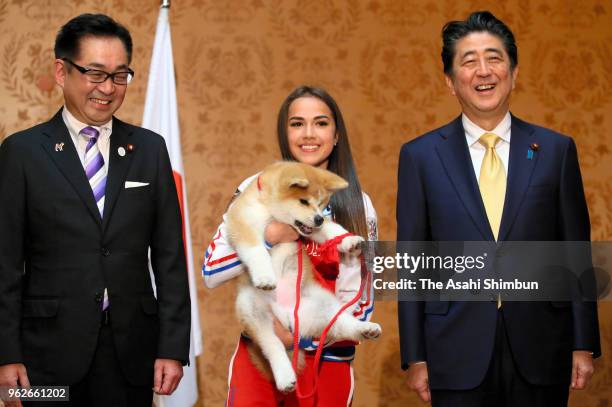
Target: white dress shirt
80,142
477,151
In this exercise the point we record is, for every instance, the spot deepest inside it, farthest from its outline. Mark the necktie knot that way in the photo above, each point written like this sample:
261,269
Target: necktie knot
91,133
489,140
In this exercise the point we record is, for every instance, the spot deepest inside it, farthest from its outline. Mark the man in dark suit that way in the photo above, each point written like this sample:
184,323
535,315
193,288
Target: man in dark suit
489,176
84,197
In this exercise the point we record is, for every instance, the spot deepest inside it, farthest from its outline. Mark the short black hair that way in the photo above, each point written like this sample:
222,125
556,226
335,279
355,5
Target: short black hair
69,37
479,21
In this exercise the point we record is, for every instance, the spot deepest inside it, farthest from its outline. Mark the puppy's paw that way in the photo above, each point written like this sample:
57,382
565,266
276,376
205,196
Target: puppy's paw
370,330
286,380
351,245
264,281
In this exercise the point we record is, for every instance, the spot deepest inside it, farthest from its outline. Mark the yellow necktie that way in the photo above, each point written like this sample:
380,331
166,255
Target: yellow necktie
492,186
492,182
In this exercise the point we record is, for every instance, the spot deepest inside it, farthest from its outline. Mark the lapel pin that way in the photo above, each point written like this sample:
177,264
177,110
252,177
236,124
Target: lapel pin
532,148
130,148
121,151
59,147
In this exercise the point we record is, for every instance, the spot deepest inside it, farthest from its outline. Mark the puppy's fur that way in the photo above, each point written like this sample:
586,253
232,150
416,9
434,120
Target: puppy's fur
295,194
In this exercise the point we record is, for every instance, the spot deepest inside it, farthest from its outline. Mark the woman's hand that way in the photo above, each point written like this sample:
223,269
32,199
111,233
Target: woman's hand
283,334
277,232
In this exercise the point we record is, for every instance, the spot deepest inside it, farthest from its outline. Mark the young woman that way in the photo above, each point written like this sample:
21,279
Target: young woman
310,130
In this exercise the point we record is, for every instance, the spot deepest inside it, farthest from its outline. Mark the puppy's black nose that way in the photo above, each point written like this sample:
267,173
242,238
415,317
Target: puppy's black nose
318,220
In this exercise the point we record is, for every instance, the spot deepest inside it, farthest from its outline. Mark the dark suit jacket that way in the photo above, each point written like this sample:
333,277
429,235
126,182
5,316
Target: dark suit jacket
50,228
439,200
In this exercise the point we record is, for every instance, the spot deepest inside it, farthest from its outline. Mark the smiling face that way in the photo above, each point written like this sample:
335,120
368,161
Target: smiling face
93,103
311,131
482,78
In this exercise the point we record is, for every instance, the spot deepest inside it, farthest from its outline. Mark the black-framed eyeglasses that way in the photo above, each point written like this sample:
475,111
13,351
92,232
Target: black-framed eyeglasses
98,76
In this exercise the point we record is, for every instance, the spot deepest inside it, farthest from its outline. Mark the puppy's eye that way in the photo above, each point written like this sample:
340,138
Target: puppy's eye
304,202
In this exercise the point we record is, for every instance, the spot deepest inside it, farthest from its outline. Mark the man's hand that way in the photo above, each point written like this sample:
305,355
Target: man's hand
167,375
582,369
14,375
418,380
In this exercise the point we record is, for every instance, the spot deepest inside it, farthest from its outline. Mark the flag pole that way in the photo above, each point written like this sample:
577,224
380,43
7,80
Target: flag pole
161,116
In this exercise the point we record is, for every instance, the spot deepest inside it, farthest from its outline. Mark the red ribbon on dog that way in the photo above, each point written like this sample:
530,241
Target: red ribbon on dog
327,253
325,257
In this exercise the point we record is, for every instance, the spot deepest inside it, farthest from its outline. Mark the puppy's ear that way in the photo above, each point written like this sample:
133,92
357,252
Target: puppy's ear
292,175
298,182
333,182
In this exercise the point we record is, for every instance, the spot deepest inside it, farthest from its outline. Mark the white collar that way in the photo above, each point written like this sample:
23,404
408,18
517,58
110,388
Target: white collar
474,132
75,126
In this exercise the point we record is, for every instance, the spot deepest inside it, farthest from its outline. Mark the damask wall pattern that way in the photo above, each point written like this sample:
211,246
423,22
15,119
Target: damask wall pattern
237,59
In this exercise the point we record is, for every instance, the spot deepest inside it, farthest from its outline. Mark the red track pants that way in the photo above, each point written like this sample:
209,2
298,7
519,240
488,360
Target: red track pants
249,388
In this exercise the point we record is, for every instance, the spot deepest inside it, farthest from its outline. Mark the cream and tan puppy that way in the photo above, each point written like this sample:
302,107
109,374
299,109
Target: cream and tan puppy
295,194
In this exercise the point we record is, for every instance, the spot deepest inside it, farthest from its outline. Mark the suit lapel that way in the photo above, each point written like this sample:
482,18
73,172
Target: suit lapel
118,167
63,153
453,151
520,169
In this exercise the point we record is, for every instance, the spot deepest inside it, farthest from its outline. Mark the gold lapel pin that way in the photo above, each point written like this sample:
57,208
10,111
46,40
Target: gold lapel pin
59,147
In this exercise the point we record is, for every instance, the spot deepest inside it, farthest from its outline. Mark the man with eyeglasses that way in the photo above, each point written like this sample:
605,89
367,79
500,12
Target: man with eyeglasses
84,199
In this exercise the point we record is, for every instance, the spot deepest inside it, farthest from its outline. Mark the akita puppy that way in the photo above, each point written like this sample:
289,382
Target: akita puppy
295,194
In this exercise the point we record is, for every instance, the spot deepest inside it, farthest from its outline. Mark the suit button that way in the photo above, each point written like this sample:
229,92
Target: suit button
99,297
105,252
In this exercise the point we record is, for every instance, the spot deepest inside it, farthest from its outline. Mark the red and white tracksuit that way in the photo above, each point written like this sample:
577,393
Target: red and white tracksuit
247,386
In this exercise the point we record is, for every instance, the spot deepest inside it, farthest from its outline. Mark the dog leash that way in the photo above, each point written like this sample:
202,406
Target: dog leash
296,335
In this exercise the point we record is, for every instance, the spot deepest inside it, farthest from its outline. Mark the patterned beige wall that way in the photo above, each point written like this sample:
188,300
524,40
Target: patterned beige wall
237,59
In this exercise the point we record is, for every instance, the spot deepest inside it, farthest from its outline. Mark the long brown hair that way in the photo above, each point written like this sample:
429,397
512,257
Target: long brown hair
347,204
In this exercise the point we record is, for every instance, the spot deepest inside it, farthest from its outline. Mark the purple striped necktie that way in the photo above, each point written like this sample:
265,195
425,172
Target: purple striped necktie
96,174
94,166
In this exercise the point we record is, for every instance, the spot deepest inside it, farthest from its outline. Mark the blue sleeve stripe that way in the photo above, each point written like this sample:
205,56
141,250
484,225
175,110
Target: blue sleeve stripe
368,311
210,272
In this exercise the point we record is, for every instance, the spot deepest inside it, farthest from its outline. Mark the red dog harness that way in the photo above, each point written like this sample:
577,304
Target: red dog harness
326,257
